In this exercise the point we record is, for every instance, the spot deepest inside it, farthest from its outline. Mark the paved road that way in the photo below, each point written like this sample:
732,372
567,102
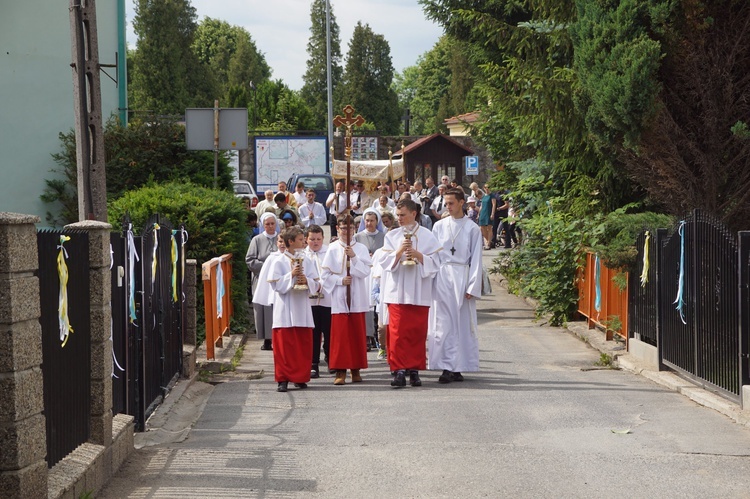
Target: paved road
536,422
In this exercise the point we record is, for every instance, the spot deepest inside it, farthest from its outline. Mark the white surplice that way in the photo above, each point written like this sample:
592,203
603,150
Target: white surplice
323,299
334,271
409,284
452,334
318,211
292,307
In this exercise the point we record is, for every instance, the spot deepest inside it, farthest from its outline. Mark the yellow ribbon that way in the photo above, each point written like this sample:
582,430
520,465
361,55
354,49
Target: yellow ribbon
153,257
62,308
644,272
174,267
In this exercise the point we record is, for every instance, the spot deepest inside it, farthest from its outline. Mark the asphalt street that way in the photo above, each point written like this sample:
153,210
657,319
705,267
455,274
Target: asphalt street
539,420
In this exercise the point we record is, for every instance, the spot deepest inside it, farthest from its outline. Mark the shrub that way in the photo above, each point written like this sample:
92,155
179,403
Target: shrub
215,221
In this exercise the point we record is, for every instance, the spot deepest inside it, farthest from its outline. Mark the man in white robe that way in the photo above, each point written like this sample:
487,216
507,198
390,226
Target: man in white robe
311,212
412,263
452,336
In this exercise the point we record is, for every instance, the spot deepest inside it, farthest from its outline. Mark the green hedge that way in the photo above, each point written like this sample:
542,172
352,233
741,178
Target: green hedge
215,221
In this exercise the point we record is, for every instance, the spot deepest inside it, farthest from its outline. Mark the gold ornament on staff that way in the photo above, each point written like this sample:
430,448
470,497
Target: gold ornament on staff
409,260
348,121
298,259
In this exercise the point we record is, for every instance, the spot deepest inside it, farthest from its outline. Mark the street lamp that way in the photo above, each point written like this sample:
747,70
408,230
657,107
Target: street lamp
255,109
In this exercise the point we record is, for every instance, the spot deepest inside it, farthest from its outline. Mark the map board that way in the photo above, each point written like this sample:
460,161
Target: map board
278,158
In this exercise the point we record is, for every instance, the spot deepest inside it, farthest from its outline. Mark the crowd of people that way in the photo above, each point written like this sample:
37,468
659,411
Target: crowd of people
401,274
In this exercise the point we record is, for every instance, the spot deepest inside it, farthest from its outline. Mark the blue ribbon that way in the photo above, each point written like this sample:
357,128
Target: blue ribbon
680,299
132,258
219,290
597,283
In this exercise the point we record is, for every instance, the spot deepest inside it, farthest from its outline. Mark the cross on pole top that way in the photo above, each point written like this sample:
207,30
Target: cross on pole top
349,120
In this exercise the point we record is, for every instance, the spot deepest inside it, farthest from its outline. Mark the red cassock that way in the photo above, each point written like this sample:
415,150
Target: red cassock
407,336
348,341
292,351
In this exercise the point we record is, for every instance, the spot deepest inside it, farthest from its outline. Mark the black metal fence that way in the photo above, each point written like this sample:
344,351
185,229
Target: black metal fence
147,325
66,351
691,308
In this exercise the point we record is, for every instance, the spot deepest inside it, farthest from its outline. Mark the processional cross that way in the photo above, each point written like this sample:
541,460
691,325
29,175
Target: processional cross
348,121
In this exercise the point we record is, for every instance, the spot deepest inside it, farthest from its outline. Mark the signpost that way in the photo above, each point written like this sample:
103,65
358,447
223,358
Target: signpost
215,129
472,165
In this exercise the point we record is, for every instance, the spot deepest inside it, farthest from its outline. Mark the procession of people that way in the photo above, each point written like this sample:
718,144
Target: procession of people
392,277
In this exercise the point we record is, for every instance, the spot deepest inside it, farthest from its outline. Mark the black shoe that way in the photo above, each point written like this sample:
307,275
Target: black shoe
414,378
314,373
282,386
457,377
399,380
445,378
301,386
266,345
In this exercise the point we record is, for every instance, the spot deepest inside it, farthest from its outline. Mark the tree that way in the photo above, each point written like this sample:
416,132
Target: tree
167,75
367,80
230,54
315,88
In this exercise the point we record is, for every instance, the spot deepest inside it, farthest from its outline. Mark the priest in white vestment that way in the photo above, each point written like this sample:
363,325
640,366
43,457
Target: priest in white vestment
311,212
452,343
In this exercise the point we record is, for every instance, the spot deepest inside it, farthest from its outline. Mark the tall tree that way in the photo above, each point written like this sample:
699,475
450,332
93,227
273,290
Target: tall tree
230,54
167,76
315,88
367,80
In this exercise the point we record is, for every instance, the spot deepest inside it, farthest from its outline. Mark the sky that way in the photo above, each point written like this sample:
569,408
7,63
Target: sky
281,28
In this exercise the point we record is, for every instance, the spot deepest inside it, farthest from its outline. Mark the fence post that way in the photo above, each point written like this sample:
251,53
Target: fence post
191,318
100,295
661,236
23,469
743,264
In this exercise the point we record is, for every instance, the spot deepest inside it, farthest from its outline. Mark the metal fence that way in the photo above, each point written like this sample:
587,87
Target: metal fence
147,312
692,303
66,351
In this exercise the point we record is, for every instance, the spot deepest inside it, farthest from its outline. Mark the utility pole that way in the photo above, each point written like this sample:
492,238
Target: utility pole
87,98
328,73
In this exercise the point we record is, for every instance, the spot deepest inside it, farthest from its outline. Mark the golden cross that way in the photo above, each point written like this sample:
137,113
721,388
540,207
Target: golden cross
348,121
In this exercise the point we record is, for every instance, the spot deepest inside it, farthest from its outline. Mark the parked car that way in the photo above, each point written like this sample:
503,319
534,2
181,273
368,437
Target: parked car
321,182
243,189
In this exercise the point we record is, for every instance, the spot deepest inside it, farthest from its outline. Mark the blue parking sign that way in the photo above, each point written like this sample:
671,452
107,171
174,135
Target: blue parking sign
472,165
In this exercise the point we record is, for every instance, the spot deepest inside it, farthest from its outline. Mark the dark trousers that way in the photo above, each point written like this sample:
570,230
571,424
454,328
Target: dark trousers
497,225
322,330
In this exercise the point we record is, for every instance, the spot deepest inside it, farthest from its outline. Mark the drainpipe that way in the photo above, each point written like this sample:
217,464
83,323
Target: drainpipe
122,65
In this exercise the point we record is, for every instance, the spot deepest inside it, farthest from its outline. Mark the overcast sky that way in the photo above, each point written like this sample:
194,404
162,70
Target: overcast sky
281,28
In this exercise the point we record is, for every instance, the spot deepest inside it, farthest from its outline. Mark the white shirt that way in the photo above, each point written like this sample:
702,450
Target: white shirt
438,205
334,272
324,298
292,307
391,204
410,284
261,207
300,197
319,214
361,199
342,203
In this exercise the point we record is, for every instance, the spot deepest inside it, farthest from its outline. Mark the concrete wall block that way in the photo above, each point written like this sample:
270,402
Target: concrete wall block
101,429
21,394
18,252
190,296
21,345
99,255
101,397
100,323
100,291
23,443
191,326
19,299
26,483
101,361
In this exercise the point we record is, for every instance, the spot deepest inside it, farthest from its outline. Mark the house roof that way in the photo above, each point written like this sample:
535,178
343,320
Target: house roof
462,118
424,140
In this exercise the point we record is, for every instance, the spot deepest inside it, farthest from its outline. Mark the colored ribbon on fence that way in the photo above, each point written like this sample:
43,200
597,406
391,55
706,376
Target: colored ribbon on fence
598,284
646,263
219,290
132,258
174,267
111,320
62,307
184,241
680,299
153,256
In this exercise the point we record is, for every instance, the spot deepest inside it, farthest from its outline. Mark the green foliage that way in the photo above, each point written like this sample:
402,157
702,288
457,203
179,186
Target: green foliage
230,54
315,88
367,80
215,221
142,152
167,76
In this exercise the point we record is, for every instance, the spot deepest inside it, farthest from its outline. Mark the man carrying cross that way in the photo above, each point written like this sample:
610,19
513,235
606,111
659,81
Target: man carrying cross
452,335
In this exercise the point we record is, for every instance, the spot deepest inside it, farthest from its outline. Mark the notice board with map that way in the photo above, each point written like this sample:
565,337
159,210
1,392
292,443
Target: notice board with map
277,158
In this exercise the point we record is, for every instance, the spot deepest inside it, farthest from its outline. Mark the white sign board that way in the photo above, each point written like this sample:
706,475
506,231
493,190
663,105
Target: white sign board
199,129
277,158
